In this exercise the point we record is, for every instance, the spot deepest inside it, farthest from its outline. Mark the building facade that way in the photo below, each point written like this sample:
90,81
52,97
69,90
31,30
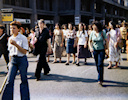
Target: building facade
65,11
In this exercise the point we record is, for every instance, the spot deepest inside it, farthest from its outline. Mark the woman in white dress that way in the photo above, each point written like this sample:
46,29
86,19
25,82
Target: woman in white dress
114,50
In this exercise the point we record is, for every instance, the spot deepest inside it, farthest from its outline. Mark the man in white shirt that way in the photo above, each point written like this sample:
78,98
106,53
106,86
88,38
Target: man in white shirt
17,46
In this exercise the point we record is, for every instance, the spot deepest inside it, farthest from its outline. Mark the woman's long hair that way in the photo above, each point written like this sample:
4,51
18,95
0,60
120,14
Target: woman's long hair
83,31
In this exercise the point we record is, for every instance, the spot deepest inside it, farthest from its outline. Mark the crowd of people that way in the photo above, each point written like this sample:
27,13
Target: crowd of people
82,41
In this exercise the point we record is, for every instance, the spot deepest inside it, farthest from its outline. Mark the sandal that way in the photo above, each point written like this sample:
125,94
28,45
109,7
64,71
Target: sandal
100,83
109,67
66,63
115,66
77,64
54,62
73,62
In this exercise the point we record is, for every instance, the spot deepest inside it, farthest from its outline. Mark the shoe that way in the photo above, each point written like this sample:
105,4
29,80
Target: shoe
100,83
115,66
109,67
77,64
66,63
73,62
7,68
37,79
85,63
46,73
54,62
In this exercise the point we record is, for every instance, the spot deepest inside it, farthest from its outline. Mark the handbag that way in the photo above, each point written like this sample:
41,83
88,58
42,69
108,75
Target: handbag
121,43
36,50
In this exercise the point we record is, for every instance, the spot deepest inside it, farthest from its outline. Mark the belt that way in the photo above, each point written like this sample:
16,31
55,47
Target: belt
18,56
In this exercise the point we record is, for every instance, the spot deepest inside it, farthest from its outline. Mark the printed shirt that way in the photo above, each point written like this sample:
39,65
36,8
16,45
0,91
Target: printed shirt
22,41
97,41
71,34
81,37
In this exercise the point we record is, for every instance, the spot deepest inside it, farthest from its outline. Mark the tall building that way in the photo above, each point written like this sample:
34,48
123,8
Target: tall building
64,11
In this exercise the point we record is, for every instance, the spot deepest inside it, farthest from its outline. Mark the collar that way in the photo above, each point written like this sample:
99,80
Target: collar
2,36
18,36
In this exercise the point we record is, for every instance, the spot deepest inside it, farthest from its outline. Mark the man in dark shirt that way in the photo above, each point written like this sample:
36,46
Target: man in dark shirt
3,44
41,46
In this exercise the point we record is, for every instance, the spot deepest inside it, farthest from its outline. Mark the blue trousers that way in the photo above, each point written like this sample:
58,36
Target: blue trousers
21,64
99,56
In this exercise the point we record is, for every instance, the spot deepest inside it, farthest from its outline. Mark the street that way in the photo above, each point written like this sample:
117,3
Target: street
73,82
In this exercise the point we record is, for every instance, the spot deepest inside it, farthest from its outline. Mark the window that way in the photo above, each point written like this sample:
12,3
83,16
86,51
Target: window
12,2
6,1
85,5
50,5
17,2
122,2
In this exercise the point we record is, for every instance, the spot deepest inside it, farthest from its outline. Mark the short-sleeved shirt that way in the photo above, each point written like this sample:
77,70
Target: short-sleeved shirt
71,34
82,37
97,41
41,44
22,41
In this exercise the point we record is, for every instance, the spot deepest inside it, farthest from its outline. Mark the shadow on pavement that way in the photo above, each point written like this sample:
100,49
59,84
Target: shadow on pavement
2,74
115,84
125,59
63,78
123,67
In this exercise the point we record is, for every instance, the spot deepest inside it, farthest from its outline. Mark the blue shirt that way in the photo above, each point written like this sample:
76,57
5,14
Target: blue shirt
97,41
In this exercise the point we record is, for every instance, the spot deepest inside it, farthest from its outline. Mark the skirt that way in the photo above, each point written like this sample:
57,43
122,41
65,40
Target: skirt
57,50
82,52
69,47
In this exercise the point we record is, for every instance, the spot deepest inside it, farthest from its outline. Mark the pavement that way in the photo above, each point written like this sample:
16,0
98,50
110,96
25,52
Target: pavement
72,82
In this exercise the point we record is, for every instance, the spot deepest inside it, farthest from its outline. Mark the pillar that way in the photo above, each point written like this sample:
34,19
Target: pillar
34,13
56,10
77,12
93,9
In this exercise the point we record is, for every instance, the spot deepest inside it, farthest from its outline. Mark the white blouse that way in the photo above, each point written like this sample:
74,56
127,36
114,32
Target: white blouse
82,37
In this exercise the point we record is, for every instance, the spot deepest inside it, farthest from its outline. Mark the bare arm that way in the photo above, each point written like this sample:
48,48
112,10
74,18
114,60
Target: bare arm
19,47
86,42
90,45
49,46
76,41
62,38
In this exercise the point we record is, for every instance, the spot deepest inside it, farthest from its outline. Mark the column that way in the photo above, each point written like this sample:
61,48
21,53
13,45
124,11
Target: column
103,11
93,9
77,12
112,13
56,10
34,13
1,6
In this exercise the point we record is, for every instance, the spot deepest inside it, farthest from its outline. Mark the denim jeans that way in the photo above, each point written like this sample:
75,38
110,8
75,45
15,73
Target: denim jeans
21,64
99,56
